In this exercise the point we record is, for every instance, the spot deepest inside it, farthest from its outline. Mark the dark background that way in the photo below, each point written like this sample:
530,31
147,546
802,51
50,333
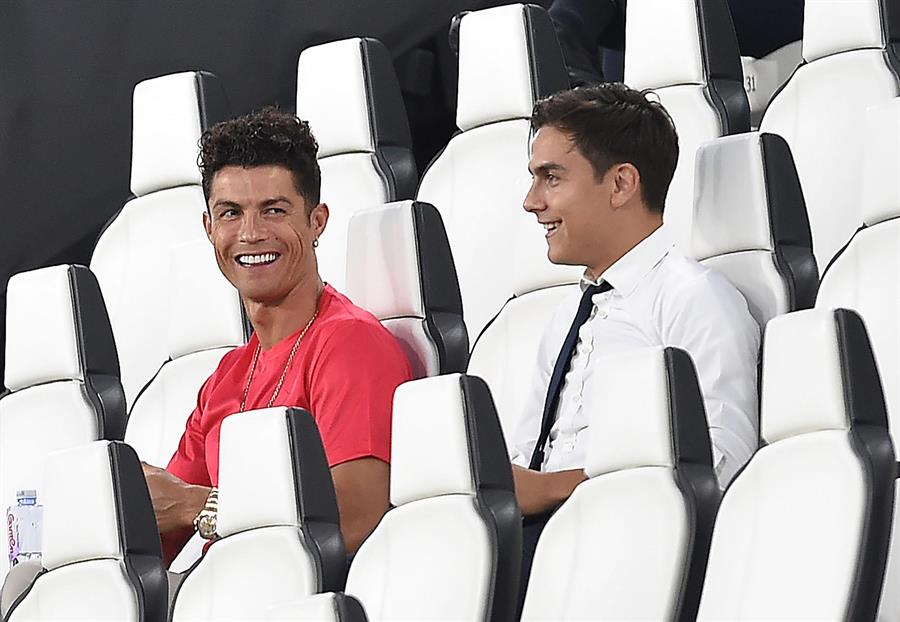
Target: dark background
67,70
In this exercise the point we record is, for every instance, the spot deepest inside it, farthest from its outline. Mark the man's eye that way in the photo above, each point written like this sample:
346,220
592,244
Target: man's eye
228,213
275,210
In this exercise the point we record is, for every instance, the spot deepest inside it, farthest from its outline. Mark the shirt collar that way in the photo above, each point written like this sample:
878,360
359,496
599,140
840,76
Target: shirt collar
630,268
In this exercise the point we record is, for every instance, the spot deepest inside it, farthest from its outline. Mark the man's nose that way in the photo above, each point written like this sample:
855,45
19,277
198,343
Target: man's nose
252,227
533,201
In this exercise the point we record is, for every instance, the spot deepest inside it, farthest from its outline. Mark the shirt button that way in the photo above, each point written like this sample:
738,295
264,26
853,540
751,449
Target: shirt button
602,314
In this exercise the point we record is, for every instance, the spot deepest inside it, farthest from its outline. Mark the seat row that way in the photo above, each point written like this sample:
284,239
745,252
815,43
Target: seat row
801,532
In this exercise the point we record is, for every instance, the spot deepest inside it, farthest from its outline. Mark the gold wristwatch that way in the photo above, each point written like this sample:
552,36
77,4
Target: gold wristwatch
205,521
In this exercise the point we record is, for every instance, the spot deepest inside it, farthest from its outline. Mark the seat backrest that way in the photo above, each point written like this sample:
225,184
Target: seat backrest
687,53
508,58
850,52
348,92
865,276
170,113
643,520
750,223
278,522
451,547
205,321
802,532
62,373
400,269
101,550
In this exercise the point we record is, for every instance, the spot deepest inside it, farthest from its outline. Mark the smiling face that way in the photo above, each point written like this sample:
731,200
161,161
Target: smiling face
573,206
262,232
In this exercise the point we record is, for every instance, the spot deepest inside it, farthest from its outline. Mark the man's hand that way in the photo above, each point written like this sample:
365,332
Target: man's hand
361,487
539,492
175,502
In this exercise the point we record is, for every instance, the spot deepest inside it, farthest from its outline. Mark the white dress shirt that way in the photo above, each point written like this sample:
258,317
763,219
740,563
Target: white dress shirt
659,298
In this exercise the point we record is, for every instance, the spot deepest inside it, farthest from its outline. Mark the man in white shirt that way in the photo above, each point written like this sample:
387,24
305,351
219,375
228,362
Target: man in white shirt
602,161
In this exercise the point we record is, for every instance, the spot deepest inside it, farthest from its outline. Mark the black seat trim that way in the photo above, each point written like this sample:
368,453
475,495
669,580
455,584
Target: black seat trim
722,65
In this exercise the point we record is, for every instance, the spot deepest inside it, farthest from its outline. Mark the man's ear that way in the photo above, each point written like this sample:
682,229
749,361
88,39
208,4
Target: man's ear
207,224
318,218
626,184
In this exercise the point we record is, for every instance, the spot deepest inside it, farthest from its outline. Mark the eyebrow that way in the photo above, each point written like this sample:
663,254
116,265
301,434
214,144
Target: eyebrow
277,199
547,167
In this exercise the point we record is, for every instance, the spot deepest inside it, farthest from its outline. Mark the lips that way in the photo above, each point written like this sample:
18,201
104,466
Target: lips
252,260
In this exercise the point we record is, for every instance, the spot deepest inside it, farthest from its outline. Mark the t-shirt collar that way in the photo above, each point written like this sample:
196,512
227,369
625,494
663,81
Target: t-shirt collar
625,274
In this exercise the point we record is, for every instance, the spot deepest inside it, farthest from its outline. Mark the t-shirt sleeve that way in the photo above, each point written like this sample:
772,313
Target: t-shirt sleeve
352,385
189,461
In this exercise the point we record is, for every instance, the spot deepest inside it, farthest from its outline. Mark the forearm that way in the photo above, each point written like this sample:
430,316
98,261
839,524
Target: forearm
538,492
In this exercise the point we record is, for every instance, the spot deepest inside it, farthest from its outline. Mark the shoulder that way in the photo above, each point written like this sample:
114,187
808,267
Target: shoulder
688,287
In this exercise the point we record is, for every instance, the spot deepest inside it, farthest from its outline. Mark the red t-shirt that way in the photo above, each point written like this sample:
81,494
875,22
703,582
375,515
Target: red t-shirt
344,372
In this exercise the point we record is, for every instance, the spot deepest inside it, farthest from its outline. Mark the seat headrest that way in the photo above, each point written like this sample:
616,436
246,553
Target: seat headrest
399,265
818,373
446,439
273,471
170,113
96,506
747,197
831,27
508,59
652,413
697,37
349,94
57,328
206,311
880,190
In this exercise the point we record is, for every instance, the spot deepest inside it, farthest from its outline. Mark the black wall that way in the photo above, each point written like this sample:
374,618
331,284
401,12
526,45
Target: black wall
67,70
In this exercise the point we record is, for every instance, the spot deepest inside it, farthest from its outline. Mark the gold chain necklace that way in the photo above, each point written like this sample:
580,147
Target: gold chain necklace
284,372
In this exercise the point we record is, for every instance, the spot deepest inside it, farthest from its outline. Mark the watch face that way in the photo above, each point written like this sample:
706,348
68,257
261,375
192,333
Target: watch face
206,526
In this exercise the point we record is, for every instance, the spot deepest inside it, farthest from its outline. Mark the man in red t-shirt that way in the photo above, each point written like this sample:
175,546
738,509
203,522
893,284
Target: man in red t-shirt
311,347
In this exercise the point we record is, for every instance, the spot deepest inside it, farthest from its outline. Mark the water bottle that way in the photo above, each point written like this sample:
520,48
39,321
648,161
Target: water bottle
23,527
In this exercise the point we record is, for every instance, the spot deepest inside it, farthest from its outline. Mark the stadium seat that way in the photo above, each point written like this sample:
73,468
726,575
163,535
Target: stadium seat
750,223
508,58
450,548
865,276
102,558
62,373
205,323
399,268
278,522
802,532
851,53
764,76
631,542
348,92
330,607
170,113
687,53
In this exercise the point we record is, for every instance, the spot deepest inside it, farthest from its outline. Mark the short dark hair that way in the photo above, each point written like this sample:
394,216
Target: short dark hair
612,123
265,137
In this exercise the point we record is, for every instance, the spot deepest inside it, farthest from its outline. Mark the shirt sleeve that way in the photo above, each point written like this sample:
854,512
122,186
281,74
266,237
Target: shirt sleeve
710,320
352,385
189,461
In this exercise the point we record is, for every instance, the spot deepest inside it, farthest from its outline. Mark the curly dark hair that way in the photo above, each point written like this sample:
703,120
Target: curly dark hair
612,123
261,138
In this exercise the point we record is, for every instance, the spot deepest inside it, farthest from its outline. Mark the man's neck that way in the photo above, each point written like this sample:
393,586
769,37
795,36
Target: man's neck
628,238
272,322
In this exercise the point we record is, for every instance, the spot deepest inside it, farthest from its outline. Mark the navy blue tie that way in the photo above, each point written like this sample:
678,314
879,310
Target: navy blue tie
560,369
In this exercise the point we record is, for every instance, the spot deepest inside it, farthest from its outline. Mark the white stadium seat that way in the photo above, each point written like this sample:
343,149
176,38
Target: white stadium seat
865,276
450,549
802,532
205,321
850,52
631,542
62,373
348,92
508,59
400,269
750,223
278,522
686,52
102,558
170,113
